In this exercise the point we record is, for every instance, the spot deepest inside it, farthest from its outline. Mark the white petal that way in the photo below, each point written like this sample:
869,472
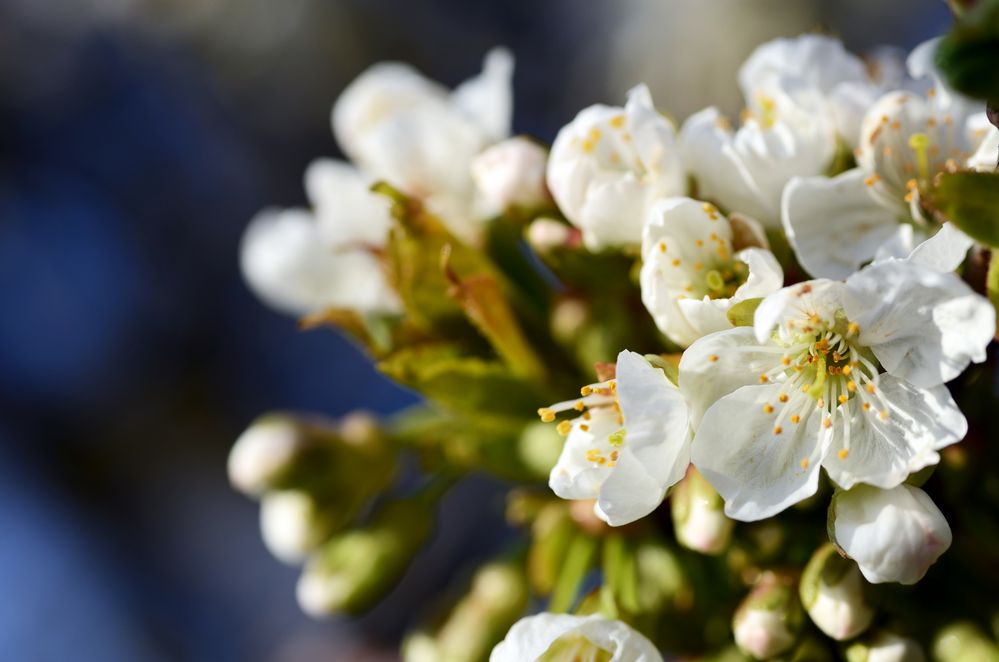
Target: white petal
720,363
655,140
986,157
759,468
488,98
532,636
893,535
884,452
818,61
288,266
834,224
944,251
765,274
922,325
900,244
792,307
347,211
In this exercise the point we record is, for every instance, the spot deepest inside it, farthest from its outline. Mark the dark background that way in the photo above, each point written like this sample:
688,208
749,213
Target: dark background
137,137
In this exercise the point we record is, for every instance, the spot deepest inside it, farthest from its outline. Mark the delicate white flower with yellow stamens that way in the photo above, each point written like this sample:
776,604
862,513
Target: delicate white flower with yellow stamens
837,224
564,637
848,376
630,445
836,81
422,138
609,164
694,268
745,170
301,262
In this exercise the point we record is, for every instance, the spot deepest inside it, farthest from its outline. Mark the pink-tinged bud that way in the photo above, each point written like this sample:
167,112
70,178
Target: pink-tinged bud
769,619
512,174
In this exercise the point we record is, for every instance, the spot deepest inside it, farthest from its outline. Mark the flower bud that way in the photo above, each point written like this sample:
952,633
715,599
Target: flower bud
894,535
263,452
563,638
884,646
699,515
497,597
769,619
511,173
546,234
832,593
357,568
293,523
963,641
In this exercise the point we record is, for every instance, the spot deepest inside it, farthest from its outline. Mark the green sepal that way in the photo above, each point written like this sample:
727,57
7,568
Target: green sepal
741,314
969,200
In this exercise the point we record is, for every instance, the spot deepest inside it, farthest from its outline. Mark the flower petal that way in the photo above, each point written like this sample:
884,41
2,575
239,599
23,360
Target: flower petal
720,363
923,326
884,452
944,251
759,465
574,476
834,224
531,637
347,211
487,99
765,274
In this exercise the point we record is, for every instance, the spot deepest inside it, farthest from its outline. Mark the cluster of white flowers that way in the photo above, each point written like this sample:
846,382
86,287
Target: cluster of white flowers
772,381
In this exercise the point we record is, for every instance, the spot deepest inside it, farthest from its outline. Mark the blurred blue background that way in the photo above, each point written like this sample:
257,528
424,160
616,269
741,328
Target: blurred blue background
137,137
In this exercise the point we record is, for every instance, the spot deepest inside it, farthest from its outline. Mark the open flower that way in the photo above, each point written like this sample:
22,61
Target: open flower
894,535
820,70
399,126
837,224
300,261
691,273
628,447
563,637
609,164
848,376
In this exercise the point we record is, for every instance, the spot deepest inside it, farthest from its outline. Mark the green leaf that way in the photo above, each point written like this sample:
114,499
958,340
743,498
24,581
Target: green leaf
970,200
741,314
967,56
992,280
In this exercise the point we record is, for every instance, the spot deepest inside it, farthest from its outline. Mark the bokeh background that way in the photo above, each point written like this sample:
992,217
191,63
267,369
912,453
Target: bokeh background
137,137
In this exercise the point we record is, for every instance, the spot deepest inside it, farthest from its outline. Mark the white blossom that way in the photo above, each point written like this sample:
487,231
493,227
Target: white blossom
511,173
837,224
847,376
292,524
628,447
610,164
894,535
691,273
565,638
398,126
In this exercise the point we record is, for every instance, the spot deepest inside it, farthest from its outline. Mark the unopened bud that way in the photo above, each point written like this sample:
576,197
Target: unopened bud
293,524
546,234
662,583
883,646
894,535
832,592
767,622
963,641
263,452
699,515
550,535
539,447
357,568
511,173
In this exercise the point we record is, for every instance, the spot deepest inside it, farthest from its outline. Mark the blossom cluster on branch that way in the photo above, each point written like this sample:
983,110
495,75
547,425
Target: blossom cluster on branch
756,321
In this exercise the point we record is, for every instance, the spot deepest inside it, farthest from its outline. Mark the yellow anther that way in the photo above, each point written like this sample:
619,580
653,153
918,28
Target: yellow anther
911,185
698,266
827,423
896,125
804,463
764,379
843,399
587,416
852,328
795,419
806,388
613,387
675,262
547,415
837,356
870,387
867,406
782,397
883,414
778,429
595,134
617,121
585,391
579,406
785,360
710,210
768,408
851,386
847,369
584,427
662,246
713,358
698,242
843,453
872,180
564,428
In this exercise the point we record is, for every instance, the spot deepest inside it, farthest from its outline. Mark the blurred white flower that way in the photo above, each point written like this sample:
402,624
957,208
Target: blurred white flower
565,638
511,173
610,164
292,524
832,592
691,274
399,126
837,224
884,646
768,620
698,515
894,535
847,376
628,448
